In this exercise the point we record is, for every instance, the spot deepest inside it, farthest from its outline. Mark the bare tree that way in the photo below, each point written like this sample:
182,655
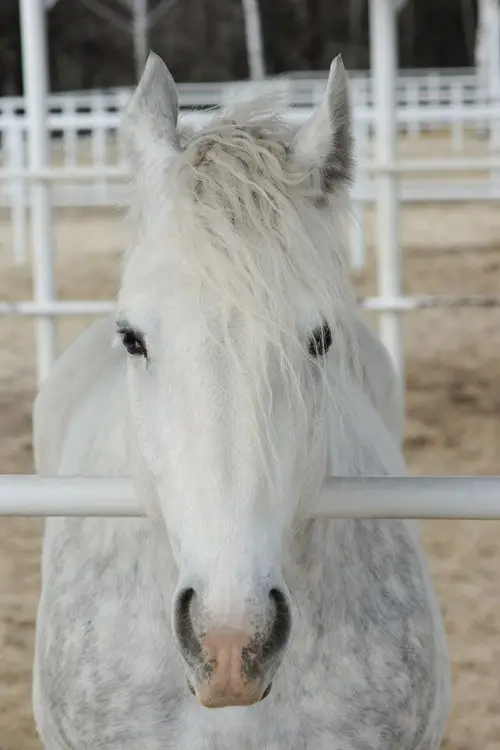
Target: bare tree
140,34
253,35
468,26
141,22
356,8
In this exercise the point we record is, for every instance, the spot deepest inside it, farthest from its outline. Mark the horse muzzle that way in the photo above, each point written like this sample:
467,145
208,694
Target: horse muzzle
228,666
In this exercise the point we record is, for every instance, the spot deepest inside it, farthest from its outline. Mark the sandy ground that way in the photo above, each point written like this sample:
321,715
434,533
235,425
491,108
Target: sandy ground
453,372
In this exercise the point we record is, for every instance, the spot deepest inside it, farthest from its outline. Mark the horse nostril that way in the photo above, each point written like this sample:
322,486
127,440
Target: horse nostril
184,631
281,627
267,691
190,688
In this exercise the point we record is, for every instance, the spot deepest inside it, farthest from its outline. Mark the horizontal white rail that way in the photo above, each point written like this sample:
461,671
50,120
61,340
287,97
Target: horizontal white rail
61,174
377,304
378,497
419,166
427,301
455,189
427,83
409,166
443,114
55,309
32,495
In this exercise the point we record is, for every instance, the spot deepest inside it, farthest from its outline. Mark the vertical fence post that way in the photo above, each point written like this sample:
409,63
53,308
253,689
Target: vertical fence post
457,126
493,47
360,190
140,35
384,74
70,137
435,98
414,102
98,137
15,160
35,83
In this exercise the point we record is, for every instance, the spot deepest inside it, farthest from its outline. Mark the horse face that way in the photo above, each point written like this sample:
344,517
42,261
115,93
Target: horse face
228,455
225,310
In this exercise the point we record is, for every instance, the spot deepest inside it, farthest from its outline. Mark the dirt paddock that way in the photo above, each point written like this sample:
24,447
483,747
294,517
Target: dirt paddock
453,426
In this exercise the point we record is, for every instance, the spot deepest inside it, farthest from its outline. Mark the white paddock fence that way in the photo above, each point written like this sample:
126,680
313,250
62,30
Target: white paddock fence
102,184
90,170
471,498
96,308
400,106
87,167
84,129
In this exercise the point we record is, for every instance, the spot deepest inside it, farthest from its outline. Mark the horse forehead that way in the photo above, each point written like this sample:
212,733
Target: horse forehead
169,291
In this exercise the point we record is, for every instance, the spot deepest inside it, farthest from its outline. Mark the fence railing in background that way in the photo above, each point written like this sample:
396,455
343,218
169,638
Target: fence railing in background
100,149
84,126
413,86
89,142
88,166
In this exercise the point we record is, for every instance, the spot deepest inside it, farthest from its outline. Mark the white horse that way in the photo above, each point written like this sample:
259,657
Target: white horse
242,374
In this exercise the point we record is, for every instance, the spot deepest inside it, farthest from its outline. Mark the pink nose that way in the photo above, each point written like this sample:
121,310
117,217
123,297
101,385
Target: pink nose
227,682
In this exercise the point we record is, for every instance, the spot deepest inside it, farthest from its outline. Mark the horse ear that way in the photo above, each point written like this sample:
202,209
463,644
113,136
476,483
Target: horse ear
152,114
325,142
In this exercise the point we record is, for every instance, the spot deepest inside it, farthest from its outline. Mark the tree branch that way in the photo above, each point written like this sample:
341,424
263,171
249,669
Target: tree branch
108,15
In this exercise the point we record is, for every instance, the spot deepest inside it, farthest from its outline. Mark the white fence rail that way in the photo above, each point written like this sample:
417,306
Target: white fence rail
369,497
96,308
417,86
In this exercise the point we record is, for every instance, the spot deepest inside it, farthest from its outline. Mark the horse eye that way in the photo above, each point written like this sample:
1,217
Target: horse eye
133,342
320,341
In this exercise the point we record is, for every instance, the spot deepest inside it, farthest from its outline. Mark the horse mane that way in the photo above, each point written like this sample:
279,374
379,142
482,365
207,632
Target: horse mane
246,218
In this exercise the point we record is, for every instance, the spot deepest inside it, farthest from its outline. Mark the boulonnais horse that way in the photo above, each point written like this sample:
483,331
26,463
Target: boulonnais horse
234,376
